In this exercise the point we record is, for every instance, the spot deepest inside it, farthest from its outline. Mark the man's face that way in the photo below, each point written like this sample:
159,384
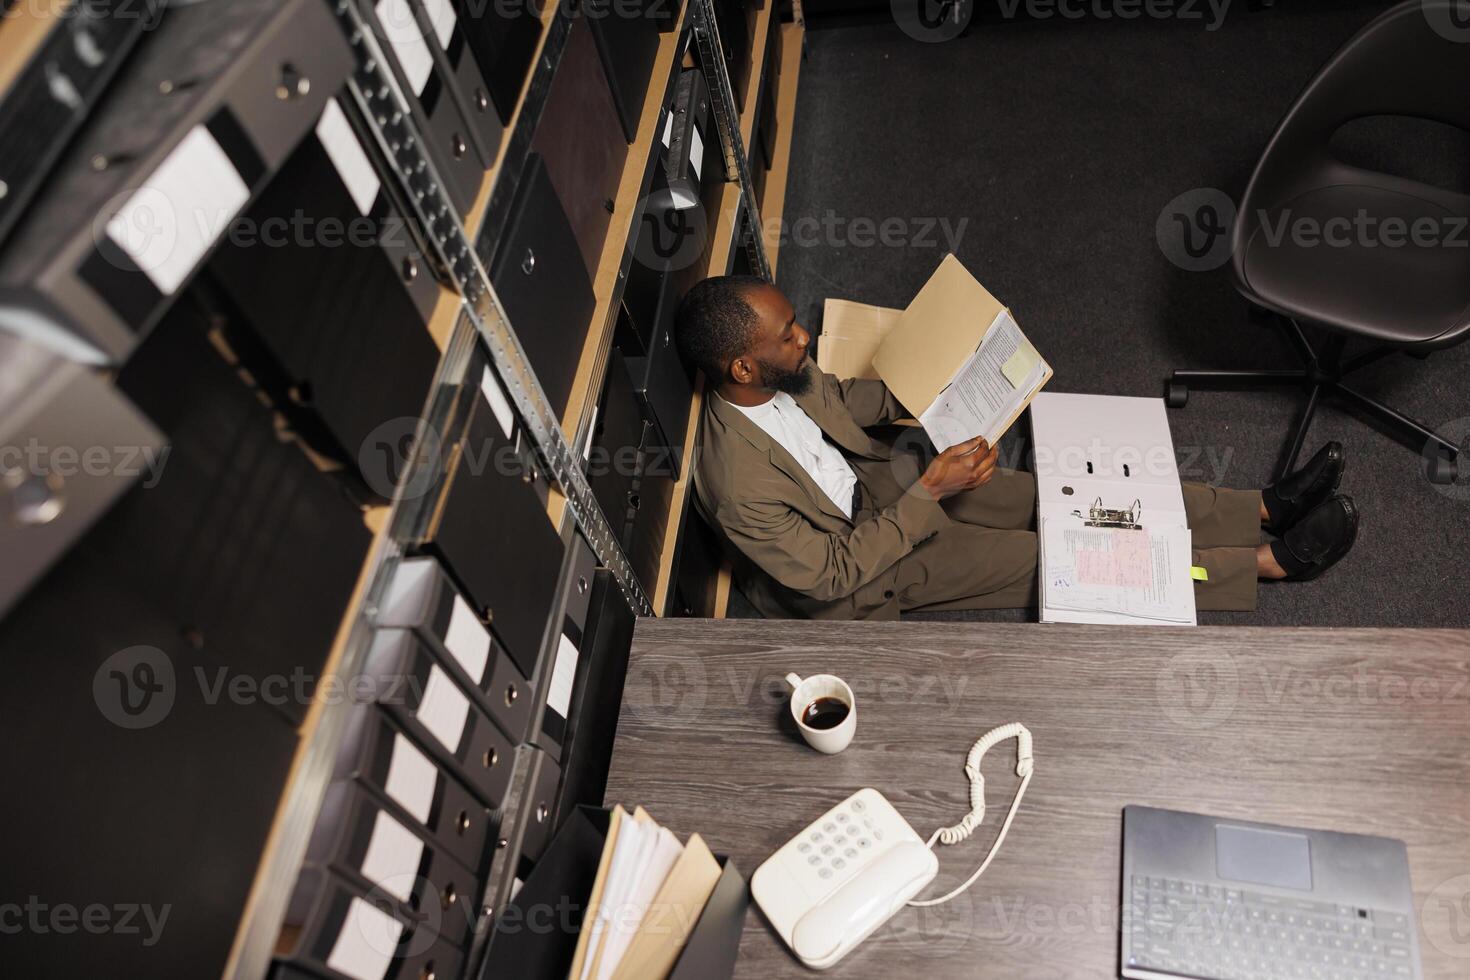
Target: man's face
777,356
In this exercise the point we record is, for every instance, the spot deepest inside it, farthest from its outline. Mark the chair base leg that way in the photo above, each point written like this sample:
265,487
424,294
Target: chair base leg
1321,378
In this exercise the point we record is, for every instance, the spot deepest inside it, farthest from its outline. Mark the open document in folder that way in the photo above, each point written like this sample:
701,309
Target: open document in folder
1141,573
989,390
958,361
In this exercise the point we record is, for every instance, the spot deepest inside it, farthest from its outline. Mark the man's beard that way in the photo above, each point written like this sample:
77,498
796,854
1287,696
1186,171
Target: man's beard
794,383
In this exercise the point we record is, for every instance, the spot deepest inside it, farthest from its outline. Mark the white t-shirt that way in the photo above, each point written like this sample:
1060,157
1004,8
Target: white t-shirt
787,423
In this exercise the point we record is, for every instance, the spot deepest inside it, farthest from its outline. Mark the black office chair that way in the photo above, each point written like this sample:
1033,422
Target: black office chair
1413,61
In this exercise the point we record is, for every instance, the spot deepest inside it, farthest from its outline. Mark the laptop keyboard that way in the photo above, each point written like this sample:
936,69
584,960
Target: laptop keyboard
1199,930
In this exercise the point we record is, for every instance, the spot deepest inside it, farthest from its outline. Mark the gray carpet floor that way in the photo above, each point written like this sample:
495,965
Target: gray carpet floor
1058,144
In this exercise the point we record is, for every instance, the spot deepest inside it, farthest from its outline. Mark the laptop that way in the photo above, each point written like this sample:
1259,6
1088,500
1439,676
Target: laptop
1216,899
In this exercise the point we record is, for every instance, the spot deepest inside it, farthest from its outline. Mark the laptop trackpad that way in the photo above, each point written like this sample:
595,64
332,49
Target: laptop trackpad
1263,857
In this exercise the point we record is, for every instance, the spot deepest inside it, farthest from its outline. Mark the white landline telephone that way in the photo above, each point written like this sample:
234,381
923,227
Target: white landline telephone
856,865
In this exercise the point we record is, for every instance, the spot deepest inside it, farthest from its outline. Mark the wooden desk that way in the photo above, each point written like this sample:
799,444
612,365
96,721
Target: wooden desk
1355,730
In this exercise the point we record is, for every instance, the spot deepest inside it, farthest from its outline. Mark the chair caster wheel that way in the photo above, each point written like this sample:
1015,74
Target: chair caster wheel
1176,395
1441,470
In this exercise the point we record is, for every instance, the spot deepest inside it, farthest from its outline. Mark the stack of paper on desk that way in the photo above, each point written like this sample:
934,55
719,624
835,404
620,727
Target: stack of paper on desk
1117,452
957,359
646,899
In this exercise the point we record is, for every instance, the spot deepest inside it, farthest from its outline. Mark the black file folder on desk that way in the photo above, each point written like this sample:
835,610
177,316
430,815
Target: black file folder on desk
564,878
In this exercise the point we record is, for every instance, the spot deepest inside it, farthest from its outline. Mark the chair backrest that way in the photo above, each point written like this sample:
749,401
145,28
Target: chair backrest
1413,60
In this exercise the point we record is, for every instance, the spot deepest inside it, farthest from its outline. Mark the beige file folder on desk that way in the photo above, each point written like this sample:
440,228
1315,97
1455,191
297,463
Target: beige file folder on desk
1118,451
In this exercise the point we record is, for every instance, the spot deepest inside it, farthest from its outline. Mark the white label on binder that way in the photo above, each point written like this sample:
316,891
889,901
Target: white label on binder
444,709
183,207
407,40
412,779
696,151
668,129
348,156
515,887
563,677
365,946
499,404
467,640
441,15
392,859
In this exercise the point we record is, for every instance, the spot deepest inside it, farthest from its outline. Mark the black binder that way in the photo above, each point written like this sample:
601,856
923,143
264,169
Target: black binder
364,840
424,699
503,38
422,598
627,39
376,753
541,279
492,532
338,929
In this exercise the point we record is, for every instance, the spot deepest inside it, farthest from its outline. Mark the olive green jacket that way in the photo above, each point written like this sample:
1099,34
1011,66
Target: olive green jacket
795,553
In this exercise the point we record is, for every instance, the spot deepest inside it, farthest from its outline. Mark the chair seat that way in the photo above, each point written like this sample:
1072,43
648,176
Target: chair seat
1355,274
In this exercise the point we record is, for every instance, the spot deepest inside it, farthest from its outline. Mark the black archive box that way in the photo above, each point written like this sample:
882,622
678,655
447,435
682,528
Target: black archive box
627,37
424,699
503,38
360,837
612,457
563,880
597,696
491,530
376,753
249,546
422,598
665,386
332,297
337,929
446,34
157,173
426,86
565,667
581,141
541,279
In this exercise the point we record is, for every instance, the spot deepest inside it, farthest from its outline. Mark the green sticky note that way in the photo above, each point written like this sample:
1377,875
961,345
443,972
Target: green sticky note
1020,364
1198,573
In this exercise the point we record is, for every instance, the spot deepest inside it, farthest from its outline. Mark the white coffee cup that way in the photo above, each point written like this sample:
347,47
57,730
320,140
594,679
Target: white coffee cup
804,692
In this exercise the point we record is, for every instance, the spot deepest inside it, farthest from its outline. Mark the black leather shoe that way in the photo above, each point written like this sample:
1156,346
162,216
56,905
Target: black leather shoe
1319,540
1298,493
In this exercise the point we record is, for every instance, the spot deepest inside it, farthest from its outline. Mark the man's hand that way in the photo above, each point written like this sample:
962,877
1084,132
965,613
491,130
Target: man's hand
963,466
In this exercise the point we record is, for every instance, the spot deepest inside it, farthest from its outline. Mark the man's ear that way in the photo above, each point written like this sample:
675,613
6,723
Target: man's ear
741,370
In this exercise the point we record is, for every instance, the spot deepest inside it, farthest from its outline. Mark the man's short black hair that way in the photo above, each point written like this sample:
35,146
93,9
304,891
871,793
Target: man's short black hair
715,324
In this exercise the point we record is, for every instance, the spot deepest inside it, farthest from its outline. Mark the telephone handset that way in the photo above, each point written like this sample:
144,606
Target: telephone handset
852,868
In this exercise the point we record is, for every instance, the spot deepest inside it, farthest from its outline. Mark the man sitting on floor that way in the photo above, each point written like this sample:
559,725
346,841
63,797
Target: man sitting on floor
827,522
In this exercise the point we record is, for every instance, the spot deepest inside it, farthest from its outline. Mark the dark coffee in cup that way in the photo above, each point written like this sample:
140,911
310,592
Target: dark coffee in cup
824,713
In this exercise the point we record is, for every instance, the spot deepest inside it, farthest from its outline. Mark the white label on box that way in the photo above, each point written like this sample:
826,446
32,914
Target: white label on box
365,946
592,427
392,859
515,887
563,677
499,404
441,15
407,40
348,156
668,129
444,709
183,207
412,779
467,640
696,151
